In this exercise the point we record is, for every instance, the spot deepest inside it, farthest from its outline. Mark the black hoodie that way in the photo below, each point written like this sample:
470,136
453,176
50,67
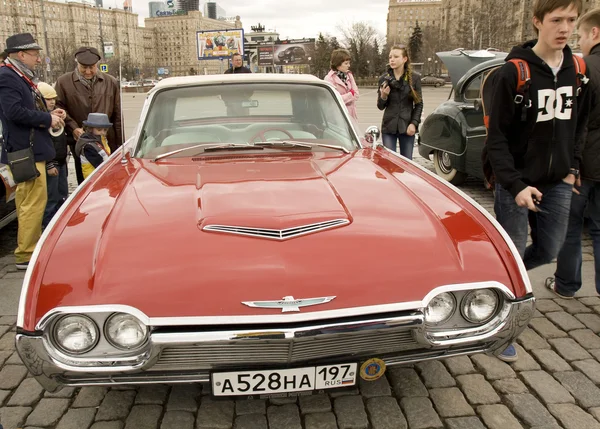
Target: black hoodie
539,151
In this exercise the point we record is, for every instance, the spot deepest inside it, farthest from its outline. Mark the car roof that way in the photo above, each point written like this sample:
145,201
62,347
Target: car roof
476,70
174,82
460,61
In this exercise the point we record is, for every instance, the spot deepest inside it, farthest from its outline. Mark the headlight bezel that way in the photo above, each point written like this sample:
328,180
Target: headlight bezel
450,315
62,348
471,293
109,339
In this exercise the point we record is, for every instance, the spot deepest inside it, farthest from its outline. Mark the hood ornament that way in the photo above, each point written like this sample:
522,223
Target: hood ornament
289,303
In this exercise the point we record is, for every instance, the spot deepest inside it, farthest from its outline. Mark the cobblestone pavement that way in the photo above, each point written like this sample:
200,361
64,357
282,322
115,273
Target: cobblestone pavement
554,384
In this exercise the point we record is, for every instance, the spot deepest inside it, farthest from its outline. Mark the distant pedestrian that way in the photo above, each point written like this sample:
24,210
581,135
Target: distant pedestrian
342,78
237,65
93,147
399,94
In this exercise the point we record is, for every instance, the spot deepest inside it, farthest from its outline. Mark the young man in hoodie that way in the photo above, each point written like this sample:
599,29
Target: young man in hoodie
536,158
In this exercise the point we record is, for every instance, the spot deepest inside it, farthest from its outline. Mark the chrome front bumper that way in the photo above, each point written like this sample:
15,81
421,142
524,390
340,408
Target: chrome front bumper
183,357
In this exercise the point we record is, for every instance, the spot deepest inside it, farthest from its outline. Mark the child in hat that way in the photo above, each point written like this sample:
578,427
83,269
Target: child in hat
56,170
92,147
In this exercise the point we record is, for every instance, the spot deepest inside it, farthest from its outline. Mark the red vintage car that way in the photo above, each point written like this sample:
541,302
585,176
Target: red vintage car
248,237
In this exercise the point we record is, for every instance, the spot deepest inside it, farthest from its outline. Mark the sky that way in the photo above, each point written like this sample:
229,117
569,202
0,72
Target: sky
293,19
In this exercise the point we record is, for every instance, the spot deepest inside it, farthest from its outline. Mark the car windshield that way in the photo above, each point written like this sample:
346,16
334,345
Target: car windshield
230,115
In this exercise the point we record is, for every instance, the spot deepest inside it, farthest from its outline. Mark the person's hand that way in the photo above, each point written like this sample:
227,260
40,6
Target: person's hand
57,122
526,198
52,172
60,113
411,130
573,181
77,132
385,91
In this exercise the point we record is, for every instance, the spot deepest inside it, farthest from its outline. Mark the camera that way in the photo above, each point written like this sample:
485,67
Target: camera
391,81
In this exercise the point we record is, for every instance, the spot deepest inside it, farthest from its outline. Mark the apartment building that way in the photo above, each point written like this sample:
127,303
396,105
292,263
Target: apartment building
403,16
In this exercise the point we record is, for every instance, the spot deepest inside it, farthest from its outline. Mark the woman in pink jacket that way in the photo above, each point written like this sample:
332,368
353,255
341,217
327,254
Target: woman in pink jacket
341,77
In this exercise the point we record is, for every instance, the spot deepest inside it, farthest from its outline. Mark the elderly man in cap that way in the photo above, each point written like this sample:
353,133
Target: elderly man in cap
25,123
86,90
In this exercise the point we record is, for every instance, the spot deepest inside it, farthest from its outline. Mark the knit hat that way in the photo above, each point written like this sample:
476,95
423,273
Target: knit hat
48,92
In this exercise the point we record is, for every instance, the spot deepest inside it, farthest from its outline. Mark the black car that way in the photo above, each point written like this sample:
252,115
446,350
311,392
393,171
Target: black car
291,54
454,132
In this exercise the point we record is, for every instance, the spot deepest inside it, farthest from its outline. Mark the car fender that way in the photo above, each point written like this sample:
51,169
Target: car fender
444,130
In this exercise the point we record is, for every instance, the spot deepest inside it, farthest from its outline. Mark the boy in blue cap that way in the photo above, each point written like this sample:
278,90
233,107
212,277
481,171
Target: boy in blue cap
92,147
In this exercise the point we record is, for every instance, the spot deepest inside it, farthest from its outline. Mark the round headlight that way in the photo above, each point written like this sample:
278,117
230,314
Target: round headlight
479,306
440,308
125,331
76,334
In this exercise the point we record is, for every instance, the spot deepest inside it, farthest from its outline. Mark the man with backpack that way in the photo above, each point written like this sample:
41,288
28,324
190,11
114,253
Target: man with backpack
534,138
567,278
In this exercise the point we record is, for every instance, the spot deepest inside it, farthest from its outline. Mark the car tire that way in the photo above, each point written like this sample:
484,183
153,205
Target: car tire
437,85
444,169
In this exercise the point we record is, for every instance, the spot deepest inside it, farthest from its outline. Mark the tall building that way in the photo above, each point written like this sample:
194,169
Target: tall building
156,6
210,10
187,5
403,16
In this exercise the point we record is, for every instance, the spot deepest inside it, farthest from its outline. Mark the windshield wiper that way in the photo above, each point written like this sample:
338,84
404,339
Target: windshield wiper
292,143
207,148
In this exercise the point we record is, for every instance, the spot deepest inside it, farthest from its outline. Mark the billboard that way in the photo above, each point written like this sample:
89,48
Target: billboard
215,44
287,53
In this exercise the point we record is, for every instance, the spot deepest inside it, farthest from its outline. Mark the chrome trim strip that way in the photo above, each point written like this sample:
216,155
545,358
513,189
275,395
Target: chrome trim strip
277,234
441,150
483,211
275,318
476,136
50,227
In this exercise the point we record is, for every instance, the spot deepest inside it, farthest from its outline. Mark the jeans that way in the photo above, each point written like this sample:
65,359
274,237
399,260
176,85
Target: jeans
406,143
568,267
30,199
548,228
58,192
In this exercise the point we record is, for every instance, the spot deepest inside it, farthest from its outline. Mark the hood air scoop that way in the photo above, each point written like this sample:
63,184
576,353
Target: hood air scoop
277,234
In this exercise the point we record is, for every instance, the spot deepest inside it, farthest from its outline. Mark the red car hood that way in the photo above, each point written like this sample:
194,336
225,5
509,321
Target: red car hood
136,238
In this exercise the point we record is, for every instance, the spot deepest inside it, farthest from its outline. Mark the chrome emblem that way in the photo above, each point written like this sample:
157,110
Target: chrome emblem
288,303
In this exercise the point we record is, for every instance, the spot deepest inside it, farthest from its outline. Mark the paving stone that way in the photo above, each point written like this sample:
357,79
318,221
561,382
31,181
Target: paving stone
450,402
530,340
3,395
420,413
547,388
343,391
459,365
77,418
48,412
564,320
4,355
547,305
590,301
590,367
14,417
177,420
529,409
250,406
477,390
385,413
91,396
115,405
107,425
14,359
435,374
375,388
573,306
251,421
144,416
153,394
584,391
569,349
550,361
11,376
465,423
536,313
406,383
314,404
595,412
510,385
8,320
7,342
595,353
284,416
498,417
184,398
29,392
546,329
350,412
586,338
592,321
320,421
215,414
284,400
525,361
4,329
573,417
492,367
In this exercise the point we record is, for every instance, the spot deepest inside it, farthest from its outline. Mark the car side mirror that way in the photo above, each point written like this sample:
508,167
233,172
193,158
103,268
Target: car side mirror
372,134
478,104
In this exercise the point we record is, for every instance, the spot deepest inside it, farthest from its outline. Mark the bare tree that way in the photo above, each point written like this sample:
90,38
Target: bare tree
63,56
359,38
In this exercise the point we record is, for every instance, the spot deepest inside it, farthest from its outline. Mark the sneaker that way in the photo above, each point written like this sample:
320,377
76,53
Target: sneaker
22,265
509,354
551,285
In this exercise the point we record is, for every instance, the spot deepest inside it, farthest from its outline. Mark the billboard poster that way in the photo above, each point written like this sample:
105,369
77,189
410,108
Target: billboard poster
294,52
265,55
215,44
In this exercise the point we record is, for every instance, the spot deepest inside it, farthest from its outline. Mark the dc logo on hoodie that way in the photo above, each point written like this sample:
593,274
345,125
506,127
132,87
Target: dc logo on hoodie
555,104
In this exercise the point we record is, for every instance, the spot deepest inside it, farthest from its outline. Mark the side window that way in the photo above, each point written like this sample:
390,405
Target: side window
473,90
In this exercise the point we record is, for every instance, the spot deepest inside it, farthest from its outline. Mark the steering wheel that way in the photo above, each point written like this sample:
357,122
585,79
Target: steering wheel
261,134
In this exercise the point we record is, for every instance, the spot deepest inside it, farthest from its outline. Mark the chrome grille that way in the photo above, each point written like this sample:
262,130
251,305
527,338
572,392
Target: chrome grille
215,355
277,234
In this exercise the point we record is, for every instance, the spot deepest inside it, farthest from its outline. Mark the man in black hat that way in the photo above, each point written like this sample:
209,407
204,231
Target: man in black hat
86,90
25,121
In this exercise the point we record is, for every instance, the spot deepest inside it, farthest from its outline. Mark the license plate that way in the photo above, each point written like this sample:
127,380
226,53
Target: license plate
283,380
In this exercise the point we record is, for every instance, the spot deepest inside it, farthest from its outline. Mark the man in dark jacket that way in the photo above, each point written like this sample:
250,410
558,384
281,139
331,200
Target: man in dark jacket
536,160
237,65
567,278
25,122
86,90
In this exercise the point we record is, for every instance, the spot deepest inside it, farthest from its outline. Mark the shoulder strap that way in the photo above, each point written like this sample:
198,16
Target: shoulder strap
523,78
580,70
